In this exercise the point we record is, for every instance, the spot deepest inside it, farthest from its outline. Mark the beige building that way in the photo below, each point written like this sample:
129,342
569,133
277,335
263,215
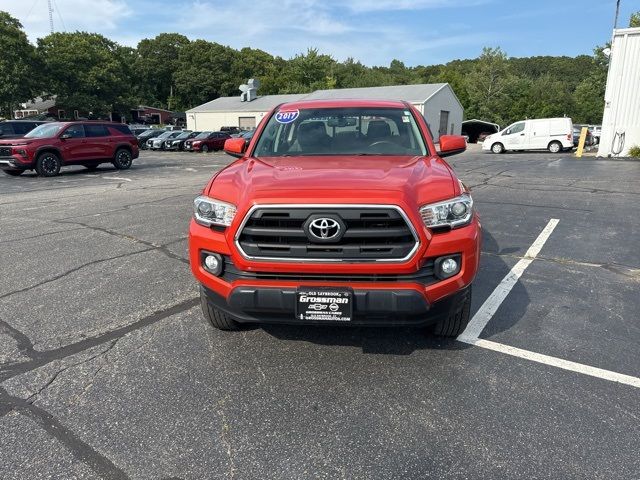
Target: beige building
437,102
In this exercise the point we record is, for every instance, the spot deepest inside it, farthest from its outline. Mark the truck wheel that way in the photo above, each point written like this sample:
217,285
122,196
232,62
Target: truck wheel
205,148
218,318
497,148
122,159
555,147
458,319
48,164
14,173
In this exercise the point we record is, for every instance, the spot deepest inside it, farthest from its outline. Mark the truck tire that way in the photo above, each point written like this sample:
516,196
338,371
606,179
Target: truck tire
122,160
48,164
217,318
205,148
555,147
497,148
458,318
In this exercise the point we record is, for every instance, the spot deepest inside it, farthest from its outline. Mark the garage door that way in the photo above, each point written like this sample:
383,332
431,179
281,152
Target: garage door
247,123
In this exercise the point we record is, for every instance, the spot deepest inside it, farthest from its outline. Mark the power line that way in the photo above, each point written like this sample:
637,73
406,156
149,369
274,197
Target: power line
50,15
55,3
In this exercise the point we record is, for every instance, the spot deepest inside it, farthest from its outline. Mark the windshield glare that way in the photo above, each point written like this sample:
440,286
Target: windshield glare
341,131
47,130
203,135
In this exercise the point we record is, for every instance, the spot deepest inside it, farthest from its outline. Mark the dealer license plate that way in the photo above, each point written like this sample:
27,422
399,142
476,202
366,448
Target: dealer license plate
324,305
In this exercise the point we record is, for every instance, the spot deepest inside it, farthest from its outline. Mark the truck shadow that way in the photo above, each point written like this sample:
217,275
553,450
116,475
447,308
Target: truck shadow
494,266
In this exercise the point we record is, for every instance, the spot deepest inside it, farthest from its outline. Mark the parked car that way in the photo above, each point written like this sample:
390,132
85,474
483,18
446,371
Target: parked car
157,143
231,130
595,133
320,223
17,128
553,134
577,131
247,136
177,143
207,141
147,135
138,130
50,146
483,136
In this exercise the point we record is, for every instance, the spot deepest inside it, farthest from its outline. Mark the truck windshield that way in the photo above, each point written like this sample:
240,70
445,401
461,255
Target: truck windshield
47,130
341,131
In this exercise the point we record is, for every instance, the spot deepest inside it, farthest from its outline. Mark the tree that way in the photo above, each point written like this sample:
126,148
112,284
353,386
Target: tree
310,71
634,21
487,86
204,73
589,94
156,63
19,66
86,71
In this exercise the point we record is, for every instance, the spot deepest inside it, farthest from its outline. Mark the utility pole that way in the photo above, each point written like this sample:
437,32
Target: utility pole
615,22
51,15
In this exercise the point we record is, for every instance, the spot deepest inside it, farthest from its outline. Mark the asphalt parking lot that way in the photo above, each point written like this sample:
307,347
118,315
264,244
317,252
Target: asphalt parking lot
107,369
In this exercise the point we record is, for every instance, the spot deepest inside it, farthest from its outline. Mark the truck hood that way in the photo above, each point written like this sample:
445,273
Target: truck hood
285,179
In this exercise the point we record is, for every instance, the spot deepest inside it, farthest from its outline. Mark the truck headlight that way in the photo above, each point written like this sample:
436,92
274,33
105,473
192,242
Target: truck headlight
208,211
453,213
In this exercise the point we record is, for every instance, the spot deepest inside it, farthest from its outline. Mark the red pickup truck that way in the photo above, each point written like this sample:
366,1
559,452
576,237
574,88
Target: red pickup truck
48,147
337,212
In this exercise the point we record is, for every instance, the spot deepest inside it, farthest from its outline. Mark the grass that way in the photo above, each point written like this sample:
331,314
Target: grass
635,151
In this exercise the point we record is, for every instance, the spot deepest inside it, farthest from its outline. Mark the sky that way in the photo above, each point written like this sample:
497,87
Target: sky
417,32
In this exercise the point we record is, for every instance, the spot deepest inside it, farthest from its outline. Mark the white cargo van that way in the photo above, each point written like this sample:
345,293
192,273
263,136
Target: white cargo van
553,134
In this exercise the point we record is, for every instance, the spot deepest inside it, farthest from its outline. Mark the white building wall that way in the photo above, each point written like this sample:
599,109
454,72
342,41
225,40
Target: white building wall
622,98
213,121
443,100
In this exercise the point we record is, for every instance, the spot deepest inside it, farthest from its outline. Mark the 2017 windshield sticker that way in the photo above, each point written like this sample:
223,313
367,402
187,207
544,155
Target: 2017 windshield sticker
287,116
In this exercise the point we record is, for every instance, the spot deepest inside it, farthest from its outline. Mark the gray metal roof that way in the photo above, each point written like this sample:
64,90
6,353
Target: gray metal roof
233,104
410,93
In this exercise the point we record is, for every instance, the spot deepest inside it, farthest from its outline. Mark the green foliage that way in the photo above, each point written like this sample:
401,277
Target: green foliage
87,71
634,151
19,66
157,60
634,21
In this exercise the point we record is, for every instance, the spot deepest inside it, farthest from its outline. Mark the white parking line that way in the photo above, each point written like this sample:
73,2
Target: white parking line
491,304
555,362
488,309
117,178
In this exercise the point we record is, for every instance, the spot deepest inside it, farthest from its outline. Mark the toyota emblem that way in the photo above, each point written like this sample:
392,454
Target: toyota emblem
324,228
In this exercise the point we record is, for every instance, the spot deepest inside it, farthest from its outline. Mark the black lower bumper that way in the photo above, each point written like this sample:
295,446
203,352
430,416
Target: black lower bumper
370,307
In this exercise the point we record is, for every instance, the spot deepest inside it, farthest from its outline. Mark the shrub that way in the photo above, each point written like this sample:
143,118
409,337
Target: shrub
635,151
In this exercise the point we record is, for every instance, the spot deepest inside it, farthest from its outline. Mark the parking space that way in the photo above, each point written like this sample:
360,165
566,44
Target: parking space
108,370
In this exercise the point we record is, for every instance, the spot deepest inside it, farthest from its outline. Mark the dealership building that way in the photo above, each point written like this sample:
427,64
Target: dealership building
436,102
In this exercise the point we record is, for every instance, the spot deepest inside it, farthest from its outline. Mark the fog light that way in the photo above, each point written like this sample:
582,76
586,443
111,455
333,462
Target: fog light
449,266
213,263
446,267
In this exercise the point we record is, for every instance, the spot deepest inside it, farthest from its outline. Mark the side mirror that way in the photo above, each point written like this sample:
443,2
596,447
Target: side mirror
452,145
235,147
64,136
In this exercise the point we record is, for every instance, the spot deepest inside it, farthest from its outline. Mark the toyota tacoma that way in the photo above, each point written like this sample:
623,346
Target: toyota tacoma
337,212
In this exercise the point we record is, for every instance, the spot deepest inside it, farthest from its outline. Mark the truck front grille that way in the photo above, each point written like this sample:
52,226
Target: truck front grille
5,151
368,233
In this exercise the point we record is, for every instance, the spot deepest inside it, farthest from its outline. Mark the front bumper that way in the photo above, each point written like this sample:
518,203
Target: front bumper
396,307
11,163
392,294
